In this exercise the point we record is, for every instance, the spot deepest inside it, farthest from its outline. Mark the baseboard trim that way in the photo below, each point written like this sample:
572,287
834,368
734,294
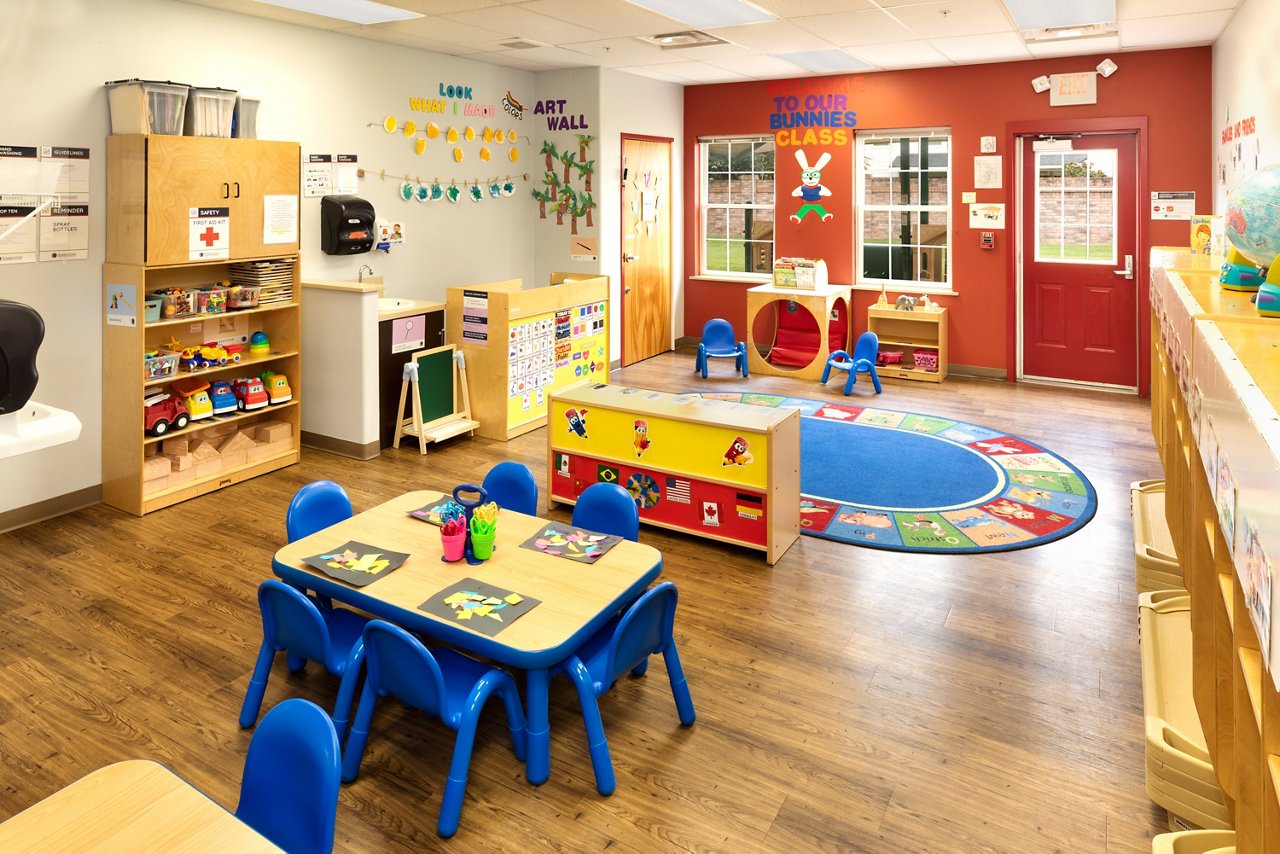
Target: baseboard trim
20,517
341,447
976,371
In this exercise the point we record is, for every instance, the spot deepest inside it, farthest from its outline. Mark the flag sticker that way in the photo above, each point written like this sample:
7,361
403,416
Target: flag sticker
678,490
606,474
750,506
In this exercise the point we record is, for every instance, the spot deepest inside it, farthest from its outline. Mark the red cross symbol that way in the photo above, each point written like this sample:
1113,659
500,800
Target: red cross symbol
209,236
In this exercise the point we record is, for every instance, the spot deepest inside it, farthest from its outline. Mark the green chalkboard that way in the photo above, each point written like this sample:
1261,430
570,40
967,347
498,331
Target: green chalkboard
435,383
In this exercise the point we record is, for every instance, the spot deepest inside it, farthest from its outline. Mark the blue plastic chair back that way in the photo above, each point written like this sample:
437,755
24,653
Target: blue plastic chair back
609,509
398,664
511,484
866,348
646,628
717,337
289,791
291,621
314,507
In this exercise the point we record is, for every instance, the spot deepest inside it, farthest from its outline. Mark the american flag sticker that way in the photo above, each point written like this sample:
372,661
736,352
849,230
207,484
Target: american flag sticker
678,490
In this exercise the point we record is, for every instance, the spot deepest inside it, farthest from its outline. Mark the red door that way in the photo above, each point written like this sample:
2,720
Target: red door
1079,234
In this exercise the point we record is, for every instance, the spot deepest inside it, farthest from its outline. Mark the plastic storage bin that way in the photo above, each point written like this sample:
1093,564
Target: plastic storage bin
926,360
889,357
147,106
176,303
243,296
151,307
244,124
1157,561
211,300
159,364
210,111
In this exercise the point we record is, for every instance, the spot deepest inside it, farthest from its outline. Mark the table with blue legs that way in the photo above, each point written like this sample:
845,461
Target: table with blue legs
575,599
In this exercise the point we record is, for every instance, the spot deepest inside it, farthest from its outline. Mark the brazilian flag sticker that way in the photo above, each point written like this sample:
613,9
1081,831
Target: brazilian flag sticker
606,474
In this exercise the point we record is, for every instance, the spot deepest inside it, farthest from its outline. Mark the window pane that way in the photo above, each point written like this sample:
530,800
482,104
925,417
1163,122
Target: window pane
737,223
1075,207
875,188
742,189
764,189
717,223
906,189
715,254
718,157
875,227
902,227
764,156
739,252
740,156
761,257
761,224
902,263
717,188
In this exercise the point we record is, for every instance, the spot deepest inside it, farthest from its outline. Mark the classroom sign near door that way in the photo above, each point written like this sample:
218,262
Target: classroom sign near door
551,350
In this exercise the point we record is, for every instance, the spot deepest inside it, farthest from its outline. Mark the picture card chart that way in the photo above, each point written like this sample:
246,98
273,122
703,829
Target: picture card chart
531,357
552,350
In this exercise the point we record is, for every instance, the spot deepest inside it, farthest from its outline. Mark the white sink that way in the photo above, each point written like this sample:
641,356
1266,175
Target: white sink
388,304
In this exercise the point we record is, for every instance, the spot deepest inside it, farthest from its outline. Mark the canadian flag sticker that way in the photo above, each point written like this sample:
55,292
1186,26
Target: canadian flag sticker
710,514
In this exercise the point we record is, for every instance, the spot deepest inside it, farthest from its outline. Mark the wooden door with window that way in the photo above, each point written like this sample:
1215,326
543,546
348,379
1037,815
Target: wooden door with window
1079,252
646,247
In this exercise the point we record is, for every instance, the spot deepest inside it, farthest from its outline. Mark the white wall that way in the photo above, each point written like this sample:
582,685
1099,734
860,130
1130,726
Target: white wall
1246,84
319,88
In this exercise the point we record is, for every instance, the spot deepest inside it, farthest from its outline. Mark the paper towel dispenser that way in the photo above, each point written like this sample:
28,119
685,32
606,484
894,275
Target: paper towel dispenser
346,225
21,332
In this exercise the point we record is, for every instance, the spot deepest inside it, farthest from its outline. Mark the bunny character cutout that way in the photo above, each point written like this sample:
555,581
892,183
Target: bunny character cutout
811,189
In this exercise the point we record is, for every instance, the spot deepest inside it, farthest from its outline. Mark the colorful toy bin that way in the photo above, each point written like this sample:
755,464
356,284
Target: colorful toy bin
211,300
159,364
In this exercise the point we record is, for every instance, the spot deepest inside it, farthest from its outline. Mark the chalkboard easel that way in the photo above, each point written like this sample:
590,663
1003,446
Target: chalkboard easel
441,407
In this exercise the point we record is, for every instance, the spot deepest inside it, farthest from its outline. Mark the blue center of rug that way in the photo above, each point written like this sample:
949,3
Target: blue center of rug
887,468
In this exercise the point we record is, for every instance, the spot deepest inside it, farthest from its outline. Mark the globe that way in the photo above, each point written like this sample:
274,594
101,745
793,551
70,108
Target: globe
1253,216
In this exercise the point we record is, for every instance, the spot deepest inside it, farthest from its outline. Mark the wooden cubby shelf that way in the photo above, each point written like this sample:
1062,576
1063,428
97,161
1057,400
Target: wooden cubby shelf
910,332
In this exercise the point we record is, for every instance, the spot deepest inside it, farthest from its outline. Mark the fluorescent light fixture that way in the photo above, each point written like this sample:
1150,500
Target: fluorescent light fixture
1081,31
1106,68
355,11
1054,14
704,14
824,61
1041,83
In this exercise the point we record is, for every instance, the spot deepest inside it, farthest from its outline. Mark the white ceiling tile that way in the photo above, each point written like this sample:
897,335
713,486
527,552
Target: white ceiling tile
772,37
699,72
759,67
992,47
955,18
515,21
449,32
613,18
1174,31
616,53
654,72
514,59
912,54
1130,9
800,8
442,7
850,28
1074,47
550,57
378,34
274,13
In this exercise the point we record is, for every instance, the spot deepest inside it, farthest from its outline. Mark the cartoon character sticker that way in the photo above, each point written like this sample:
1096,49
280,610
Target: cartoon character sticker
811,189
641,440
737,454
577,421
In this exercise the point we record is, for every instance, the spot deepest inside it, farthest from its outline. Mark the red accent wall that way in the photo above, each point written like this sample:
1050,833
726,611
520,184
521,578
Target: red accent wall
1171,89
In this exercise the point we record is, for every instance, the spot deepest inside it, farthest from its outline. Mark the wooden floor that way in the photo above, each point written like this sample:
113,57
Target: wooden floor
848,699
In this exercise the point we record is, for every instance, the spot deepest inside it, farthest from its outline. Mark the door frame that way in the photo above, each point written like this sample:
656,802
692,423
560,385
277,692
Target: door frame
622,234
1015,132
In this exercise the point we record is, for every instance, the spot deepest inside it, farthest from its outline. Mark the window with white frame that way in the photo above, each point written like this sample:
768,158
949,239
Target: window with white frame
737,206
904,205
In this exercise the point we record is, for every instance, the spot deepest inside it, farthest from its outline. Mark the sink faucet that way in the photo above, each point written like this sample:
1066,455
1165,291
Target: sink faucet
364,268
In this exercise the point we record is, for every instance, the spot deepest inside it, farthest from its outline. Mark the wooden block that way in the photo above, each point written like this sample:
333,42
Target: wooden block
235,442
272,431
184,476
155,467
258,451
231,459
204,449
181,462
155,484
150,450
214,430
175,446
208,467
281,446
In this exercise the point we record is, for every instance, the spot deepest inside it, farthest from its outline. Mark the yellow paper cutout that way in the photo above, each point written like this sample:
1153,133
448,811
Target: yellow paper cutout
514,154
488,135
452,135
500,136
482,610
410,128
419,145
457,155
455,598
514,599
470,133
511,135
464,615
492,600
433,130
484,153
389,124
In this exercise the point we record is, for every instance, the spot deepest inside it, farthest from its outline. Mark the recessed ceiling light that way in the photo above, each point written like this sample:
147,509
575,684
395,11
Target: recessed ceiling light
705,14
1042,15
688,38
824,61
355,11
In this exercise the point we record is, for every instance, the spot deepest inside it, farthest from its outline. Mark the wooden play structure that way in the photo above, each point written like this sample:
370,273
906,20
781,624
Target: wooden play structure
808,327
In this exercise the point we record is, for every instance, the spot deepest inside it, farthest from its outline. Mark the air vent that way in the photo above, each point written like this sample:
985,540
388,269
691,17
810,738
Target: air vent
521,44
1057,34
688,38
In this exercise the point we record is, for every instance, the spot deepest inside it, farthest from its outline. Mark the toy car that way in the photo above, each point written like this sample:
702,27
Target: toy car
249,393
163,411
277,386
206,356
195,396
224,399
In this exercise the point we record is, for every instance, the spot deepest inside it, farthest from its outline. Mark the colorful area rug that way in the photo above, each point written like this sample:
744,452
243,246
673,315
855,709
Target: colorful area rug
896,480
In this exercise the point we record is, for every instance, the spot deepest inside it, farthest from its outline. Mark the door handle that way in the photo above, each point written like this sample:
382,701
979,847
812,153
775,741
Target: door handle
226,190
237,189
1127,272
629,258
626,290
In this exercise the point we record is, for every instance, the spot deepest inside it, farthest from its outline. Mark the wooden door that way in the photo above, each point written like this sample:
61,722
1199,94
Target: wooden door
182,173
1079,253
264,175
646,247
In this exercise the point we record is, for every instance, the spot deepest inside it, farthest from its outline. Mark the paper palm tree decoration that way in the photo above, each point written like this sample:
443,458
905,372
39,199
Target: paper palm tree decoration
567,158
567,204
586,204
584,142
552,182
542,198
585,169
549,149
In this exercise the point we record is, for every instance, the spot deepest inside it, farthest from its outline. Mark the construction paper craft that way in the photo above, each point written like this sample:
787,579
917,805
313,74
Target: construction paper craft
577,544
479,606
436,512
357,563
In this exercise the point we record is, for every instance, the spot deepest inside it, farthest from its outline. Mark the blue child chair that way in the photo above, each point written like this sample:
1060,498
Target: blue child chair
624,645
512,486
306,631
608,509
314,507
718,342
289,791
444,684
863,361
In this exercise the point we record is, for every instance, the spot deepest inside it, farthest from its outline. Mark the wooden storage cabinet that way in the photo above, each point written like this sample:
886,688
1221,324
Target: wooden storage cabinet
153,183
910,332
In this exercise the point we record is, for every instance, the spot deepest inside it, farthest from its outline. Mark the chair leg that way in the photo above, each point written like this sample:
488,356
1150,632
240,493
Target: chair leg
700,365
353,753
679,685
849,383
597,744
639,669
746,371
257,686
347,689
294,662
455,788
875,379
826,372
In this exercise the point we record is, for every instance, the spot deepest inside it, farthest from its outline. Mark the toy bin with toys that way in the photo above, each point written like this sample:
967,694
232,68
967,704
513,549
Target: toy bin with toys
211,300
158,364
243,296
